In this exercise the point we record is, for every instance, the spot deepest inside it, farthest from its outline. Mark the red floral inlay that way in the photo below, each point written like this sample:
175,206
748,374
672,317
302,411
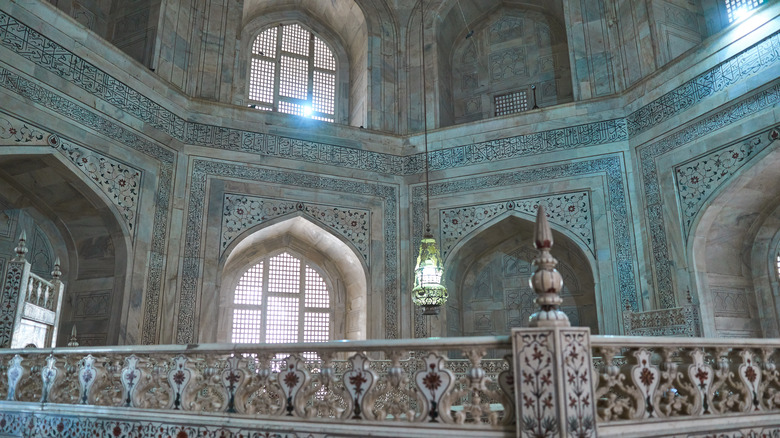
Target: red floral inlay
182,434
646,377
233,378
117,430
750,374
572,208
357,381
694,180
179,377
702,376
291,380
432,381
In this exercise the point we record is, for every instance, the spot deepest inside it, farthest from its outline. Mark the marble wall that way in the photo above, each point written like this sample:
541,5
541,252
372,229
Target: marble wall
154,159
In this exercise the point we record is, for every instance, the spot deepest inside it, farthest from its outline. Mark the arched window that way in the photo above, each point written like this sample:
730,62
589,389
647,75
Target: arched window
737,9
281,299
293,71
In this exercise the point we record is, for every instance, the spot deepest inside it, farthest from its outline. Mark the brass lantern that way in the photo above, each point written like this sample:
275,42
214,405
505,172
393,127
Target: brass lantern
428,291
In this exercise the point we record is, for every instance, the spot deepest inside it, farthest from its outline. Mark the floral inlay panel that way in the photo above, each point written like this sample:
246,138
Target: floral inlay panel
119,181
9,299
571,211
535,384
698,179
15,131
242,212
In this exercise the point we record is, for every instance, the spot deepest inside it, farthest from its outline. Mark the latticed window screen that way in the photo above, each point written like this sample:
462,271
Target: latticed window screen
735,8
292,71
778,265
281,299
511,103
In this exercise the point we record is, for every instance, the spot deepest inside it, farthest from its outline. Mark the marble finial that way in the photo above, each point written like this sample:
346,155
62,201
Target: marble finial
546,281
21,249
56,273
74,340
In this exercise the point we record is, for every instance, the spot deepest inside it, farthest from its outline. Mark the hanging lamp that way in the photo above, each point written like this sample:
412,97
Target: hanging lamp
428,292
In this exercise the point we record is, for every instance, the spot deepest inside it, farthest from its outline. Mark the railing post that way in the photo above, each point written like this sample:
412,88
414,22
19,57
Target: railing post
552,360
58,290
12,296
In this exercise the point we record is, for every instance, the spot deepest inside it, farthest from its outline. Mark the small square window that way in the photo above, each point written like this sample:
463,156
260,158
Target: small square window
511,103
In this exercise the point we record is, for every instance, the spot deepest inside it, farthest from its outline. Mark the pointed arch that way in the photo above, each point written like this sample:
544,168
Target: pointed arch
487,275
96,244
730,251
304,236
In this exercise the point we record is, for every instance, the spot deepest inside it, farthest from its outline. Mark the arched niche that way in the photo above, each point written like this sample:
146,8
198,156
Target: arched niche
731,250
85,231
301,236
511,50
487,275
448,25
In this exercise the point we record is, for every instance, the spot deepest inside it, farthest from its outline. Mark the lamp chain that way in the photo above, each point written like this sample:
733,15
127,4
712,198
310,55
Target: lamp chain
425,120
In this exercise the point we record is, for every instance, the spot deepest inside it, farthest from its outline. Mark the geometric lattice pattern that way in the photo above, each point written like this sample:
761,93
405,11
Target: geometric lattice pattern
511,103
778,265
281,299
736,9
292,72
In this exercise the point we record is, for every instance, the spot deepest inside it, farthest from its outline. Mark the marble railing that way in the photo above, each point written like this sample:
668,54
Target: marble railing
657,379
640,384
378,381
41,292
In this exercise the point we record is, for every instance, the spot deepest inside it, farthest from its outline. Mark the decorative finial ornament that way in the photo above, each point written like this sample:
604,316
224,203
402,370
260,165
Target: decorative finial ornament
21,249
56,273
546,281
74,340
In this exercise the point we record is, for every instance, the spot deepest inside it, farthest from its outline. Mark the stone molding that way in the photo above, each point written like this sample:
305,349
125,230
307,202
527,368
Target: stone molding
729,72
13,130
700,178
677,321
49,55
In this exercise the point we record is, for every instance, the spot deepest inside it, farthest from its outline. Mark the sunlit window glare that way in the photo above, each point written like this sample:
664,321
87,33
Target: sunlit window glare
292,71
281,299
740,9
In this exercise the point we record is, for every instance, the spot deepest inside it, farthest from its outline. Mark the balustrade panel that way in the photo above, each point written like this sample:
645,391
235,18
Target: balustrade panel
651,378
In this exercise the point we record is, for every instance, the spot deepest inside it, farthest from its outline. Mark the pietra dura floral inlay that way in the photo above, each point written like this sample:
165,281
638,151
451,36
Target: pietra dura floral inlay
119,181
242,212
698,179
569,210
